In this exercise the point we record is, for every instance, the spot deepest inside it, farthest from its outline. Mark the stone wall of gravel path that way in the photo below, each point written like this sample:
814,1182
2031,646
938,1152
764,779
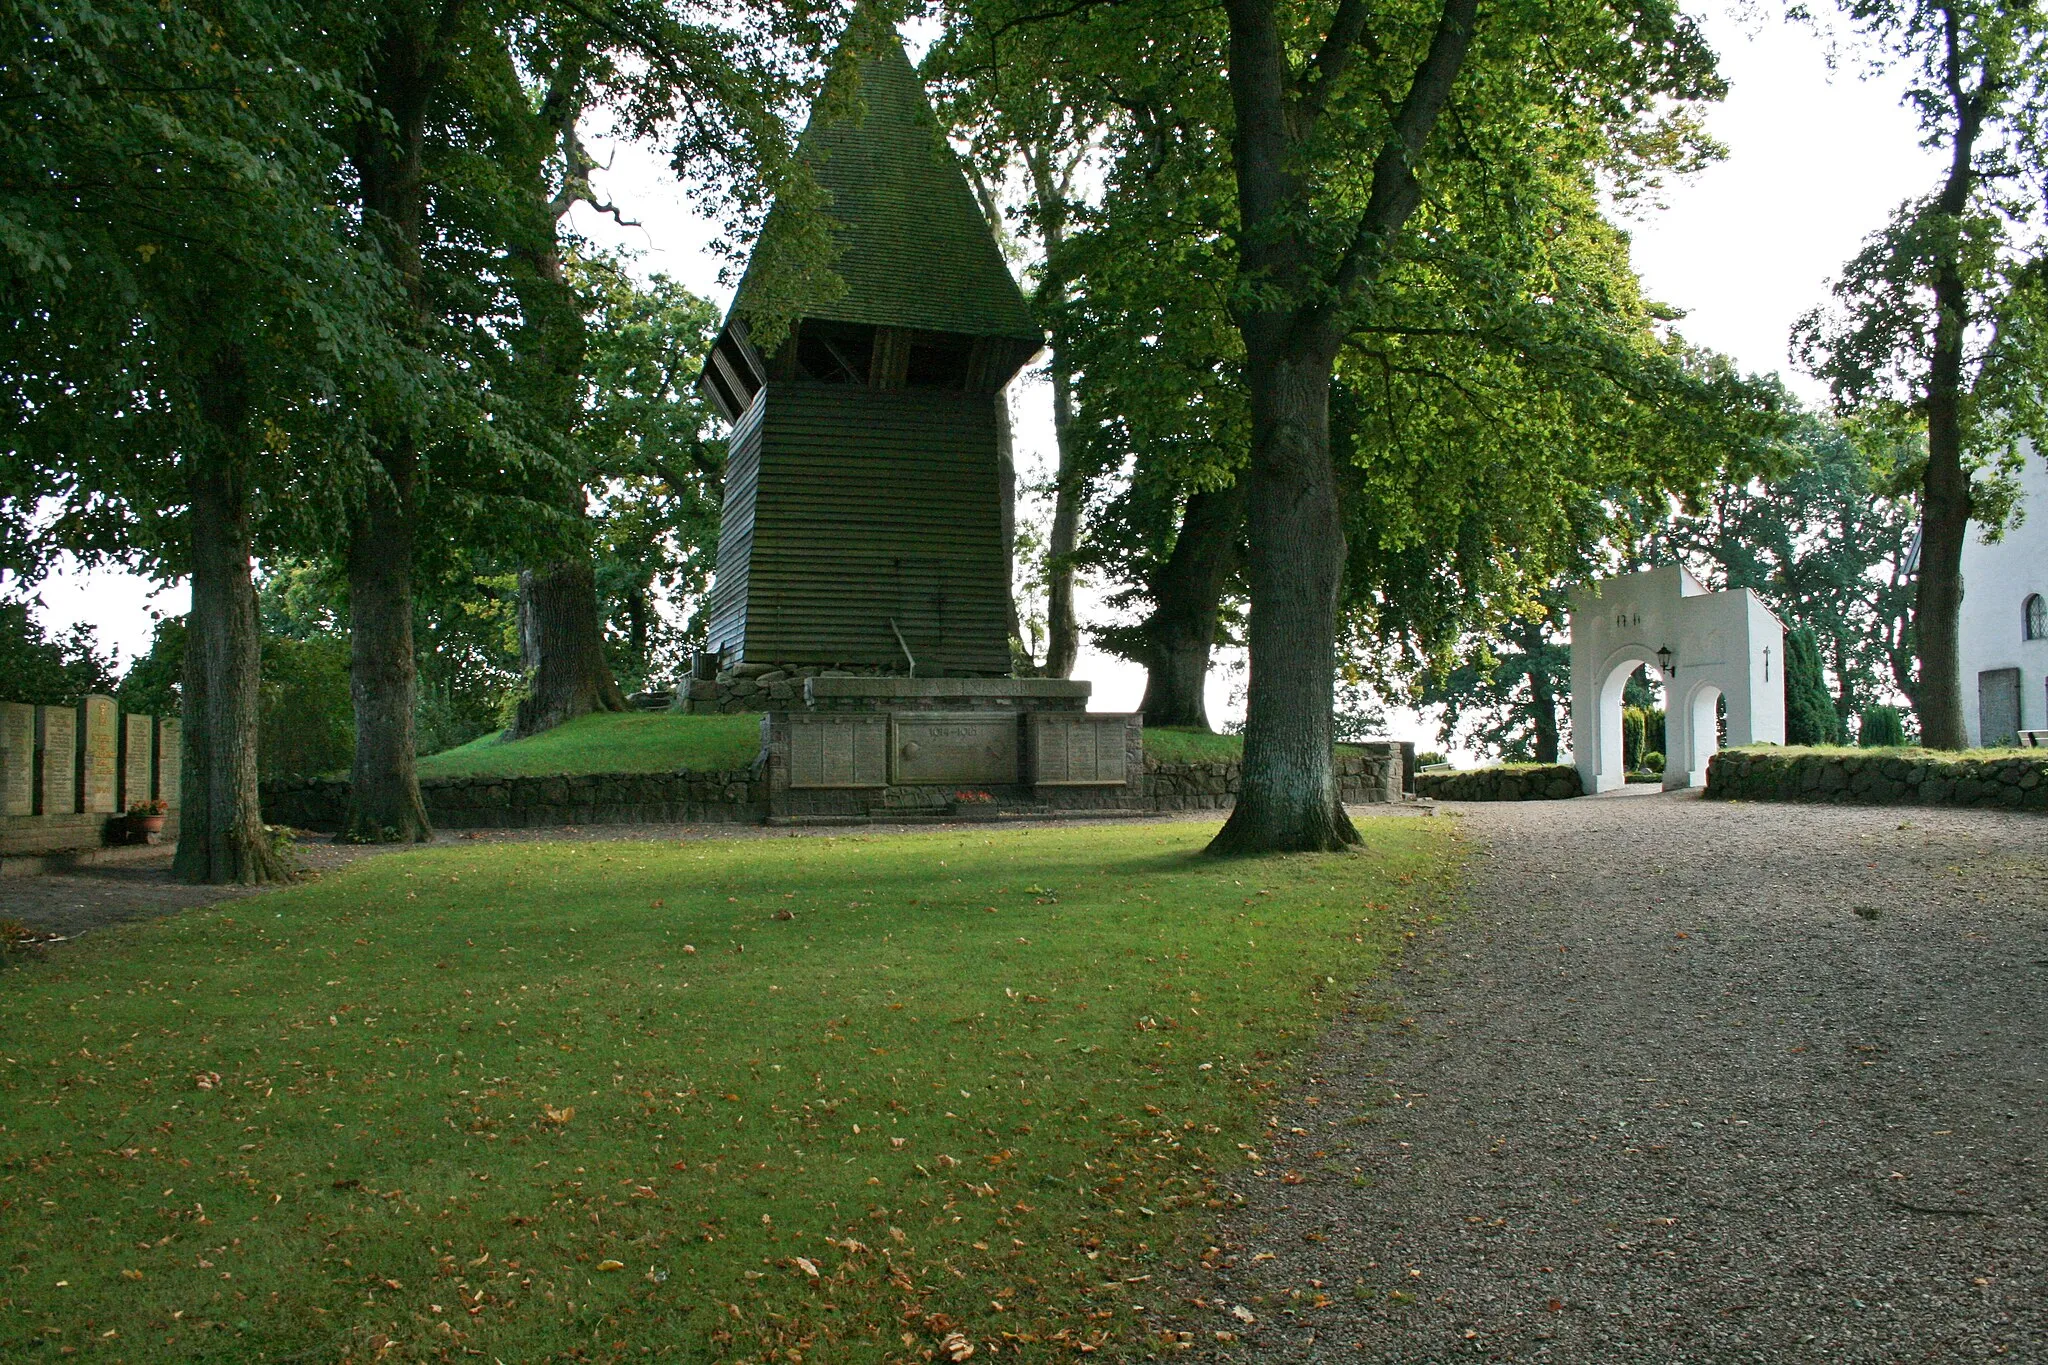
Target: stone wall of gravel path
1846,777
1509,782
1689,1081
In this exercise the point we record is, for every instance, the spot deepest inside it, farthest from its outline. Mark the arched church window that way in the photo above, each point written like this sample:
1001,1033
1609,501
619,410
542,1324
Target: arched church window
2034,618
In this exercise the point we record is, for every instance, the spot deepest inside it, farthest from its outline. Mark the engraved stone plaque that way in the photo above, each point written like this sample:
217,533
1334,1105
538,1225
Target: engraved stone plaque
966,747
17,758
1078,750
57,737
170,760
137,737
838,751
98,755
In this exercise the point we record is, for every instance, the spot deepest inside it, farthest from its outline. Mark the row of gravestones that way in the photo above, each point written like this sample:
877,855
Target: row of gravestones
87,759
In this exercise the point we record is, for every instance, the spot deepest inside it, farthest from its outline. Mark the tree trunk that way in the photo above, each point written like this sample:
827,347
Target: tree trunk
1187,595
1287,802
220,817
1062,625
384,804
1542,691
1006,491
1945,489
561,635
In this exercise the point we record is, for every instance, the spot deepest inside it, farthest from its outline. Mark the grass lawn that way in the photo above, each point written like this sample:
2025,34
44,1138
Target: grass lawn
1176,745
609,742
825,1099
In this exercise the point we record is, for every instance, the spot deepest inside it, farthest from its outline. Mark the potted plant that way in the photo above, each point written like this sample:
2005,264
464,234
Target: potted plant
147,817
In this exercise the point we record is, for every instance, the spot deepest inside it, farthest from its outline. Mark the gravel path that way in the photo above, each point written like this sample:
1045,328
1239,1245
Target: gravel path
1690,1081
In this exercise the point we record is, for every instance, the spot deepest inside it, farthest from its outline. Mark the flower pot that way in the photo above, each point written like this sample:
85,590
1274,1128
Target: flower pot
146,824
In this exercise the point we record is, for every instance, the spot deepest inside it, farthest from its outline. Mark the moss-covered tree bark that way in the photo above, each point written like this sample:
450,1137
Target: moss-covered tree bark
220,818
1187,592
561,634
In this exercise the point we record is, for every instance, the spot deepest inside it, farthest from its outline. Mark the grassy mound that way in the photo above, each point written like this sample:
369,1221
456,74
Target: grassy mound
609,742
1174,745
741,1098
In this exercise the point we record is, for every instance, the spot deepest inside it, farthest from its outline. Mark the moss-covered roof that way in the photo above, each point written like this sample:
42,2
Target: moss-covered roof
915,249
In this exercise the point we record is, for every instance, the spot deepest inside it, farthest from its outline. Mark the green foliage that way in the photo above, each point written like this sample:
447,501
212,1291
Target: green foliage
307,726
1652,761
1501,380
1881,727
547,1032
655,467
49,671
610,742
1507,687
1824,542
1631,737
1963,261
1809,714
154,682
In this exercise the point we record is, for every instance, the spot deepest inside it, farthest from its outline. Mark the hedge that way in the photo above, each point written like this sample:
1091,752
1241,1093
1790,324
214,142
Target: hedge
1511,782
1896,777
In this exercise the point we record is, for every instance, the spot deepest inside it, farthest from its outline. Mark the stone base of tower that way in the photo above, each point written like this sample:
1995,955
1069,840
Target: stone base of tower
858,749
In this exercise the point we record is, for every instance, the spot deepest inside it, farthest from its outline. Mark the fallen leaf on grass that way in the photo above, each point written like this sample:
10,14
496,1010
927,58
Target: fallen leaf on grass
808,1266
955,1346
611,1265
562,1115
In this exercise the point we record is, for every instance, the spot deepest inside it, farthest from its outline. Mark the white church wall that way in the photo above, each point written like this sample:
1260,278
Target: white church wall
1997,580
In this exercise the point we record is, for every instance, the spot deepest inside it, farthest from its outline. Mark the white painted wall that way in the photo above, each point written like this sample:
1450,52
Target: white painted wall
1996,582
1723,644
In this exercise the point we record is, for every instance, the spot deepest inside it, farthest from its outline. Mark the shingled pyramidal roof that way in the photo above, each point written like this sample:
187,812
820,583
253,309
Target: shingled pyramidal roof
916,251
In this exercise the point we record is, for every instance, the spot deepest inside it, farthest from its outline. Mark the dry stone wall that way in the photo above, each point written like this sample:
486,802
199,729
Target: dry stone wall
1364,778
539,802
1514,782
1366,775
1878,778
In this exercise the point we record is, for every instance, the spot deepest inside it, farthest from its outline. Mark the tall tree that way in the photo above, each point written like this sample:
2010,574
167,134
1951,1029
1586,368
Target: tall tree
1026,127
466,160
1941,320
1331,119
1825,542
184,312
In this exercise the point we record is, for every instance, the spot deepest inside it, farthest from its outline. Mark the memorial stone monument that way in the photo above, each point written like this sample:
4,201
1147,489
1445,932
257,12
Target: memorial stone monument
99,748
138,739
861,586
57,742
17,758
170,760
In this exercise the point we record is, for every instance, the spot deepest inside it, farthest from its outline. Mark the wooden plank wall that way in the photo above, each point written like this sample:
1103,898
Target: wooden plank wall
728,606
866,506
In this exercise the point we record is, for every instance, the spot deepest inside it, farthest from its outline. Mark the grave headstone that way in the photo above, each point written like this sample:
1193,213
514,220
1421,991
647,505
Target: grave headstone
99,746
138,741
170,761
57,746
17,758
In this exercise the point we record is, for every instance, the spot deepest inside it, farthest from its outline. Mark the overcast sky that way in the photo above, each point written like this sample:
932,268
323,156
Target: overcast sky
1817,160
